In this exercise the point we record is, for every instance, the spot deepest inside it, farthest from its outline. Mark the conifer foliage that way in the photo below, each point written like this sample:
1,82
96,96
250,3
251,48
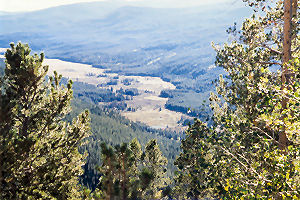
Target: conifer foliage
130,173
39,156
243,156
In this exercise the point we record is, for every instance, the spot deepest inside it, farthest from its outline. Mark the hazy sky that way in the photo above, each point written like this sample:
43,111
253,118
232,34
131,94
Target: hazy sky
29,5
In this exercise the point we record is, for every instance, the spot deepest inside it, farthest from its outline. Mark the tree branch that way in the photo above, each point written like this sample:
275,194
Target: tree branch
240,162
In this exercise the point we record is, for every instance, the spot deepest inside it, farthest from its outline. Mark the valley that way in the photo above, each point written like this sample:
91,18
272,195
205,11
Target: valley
145,106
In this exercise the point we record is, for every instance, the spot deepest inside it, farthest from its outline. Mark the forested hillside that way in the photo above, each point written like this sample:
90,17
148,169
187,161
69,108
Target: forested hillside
113,129
2,66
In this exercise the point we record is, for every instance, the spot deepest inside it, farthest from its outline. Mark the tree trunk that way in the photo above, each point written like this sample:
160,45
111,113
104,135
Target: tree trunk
287,29
294,7
286,75
109,187
1,176
124,179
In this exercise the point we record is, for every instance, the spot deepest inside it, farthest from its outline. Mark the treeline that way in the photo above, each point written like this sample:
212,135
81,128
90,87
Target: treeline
109,126
190,103
112,99
95,94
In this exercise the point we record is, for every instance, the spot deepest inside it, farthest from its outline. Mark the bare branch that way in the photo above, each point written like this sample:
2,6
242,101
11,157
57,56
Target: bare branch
273,50
270,63
240,162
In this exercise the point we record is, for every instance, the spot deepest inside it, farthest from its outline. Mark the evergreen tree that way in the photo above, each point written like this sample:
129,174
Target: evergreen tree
135,189
196,171
39,156
119,171
153,172
129,173
109,183
244,156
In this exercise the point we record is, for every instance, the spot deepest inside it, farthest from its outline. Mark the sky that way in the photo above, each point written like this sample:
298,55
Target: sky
30,5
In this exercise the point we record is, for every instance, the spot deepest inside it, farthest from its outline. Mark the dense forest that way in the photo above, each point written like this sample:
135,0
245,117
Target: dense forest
113,129
54,146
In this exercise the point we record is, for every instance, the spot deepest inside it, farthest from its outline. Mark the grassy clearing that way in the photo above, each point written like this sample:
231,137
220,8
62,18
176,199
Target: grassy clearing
148,106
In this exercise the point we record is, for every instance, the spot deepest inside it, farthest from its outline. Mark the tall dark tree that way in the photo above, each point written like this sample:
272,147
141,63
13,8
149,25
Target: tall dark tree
129,173
38,150
194,178
290,12
153,171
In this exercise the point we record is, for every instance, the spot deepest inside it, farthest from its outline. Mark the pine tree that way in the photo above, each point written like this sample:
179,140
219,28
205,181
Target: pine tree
135,182
248,160
38,150
196,171
108,170
119,171
129,173
153,171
